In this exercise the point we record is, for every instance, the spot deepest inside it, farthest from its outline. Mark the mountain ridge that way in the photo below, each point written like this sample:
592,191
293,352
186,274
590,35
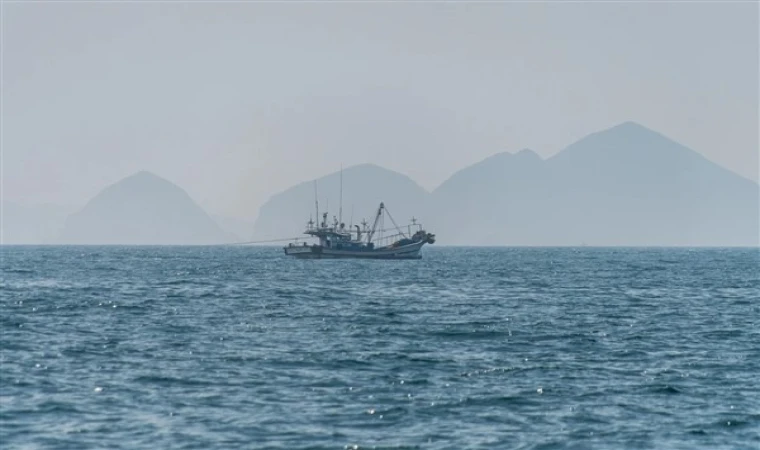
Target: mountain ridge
624,185
142,209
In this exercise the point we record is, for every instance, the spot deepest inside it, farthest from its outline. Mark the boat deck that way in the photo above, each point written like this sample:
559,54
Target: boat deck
409,251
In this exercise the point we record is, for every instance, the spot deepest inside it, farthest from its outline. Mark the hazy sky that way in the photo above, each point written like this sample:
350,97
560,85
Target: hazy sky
237,101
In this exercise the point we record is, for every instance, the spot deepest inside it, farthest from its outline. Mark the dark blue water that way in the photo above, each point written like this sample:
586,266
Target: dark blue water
220,348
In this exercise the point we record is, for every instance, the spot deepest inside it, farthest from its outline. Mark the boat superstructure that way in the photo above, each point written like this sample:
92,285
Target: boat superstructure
335,240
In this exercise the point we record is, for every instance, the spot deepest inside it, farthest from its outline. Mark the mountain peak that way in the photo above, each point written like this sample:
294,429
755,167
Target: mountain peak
630,130
507,159
628,143
528,154
142,208
360,170
630,125
143,176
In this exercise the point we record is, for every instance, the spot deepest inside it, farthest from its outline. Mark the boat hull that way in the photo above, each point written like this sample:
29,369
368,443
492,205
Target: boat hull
409,251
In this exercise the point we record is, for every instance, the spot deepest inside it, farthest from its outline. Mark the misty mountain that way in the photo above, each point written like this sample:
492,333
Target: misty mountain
476,205
31,224
627,185
364,187
142,209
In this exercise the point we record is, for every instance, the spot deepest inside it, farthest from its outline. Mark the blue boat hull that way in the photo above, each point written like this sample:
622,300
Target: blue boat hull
409,251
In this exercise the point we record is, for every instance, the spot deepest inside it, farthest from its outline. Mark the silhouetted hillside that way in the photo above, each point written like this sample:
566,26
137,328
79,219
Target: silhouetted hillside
478,204
627,185
364,187
142,209
632,185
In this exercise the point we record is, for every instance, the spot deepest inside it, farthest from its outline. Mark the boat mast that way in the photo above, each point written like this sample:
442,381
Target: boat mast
316,201
340,208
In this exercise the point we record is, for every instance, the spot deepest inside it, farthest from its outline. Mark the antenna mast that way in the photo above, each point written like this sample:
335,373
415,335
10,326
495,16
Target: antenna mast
316,201
340,208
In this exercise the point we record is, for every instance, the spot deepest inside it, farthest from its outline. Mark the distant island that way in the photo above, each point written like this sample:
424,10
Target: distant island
142,209
624,186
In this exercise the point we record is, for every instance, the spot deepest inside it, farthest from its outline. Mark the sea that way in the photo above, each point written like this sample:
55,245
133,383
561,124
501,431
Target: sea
467,348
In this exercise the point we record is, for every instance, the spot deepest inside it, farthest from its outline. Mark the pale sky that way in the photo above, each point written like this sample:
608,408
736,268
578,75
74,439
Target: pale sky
237,101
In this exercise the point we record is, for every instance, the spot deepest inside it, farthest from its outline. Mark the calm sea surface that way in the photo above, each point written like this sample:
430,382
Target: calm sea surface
234,347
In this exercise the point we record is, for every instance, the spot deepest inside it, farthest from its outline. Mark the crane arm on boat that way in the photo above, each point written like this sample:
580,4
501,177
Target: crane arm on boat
378,215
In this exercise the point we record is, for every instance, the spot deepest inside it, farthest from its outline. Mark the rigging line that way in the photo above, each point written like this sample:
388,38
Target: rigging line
394,223
268,241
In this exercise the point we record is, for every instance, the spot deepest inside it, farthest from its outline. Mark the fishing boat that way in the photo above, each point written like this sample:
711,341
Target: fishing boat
338,241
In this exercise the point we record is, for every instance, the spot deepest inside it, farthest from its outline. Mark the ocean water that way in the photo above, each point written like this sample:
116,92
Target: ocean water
240,347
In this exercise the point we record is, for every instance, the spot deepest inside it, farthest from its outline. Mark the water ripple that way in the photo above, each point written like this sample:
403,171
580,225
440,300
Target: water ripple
218,347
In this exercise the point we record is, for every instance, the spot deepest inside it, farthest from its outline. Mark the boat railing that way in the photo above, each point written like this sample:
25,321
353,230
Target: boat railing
383,241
